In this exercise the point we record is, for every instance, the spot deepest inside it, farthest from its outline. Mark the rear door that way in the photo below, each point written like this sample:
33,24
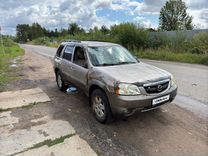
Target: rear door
66,63
57,57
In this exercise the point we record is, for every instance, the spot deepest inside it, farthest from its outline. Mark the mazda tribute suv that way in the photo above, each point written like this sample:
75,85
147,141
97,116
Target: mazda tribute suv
116,82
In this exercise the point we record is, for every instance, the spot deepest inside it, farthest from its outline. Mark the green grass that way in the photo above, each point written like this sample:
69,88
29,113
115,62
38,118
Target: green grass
4,110
166,55
50,142
10,52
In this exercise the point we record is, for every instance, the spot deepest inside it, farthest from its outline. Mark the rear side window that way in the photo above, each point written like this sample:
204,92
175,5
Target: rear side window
68,52
58,53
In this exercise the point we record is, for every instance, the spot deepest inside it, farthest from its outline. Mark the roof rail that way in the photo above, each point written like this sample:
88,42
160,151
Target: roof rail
73,41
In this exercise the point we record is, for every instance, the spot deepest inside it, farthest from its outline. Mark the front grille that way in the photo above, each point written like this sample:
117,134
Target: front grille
157,88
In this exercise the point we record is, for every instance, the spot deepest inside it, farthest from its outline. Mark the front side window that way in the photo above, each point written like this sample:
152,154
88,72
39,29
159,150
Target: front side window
68,52
110,55
79,57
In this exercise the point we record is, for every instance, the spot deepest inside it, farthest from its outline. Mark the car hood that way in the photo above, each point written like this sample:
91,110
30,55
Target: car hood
134,73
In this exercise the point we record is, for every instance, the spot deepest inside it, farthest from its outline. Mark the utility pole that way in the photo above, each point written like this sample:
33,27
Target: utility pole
2,44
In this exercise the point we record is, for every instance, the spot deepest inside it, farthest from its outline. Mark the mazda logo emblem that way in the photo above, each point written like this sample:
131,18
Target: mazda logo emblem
159,87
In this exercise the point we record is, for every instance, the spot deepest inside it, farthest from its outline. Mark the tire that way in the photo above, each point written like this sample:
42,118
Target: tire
60,83
100,106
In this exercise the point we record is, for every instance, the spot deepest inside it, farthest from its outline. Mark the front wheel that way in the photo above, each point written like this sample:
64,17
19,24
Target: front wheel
100,106
60,83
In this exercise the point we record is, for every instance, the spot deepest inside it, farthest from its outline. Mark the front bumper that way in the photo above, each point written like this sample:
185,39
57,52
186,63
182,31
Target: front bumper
127,105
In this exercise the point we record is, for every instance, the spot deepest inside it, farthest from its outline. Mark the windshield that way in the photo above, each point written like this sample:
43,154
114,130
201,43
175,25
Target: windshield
111,55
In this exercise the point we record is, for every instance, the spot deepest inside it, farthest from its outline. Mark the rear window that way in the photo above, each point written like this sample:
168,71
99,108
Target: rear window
68,52
58,53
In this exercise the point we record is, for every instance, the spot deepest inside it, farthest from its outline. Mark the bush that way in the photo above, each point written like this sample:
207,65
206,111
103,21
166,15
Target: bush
196,50
130,36
8,42
204,60
200,43
42,41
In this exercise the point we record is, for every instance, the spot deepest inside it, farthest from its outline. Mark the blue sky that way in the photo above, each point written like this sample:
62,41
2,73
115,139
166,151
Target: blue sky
89,13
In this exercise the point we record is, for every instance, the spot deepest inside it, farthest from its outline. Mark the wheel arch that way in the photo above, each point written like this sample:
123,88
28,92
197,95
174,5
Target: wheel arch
109,117
94,87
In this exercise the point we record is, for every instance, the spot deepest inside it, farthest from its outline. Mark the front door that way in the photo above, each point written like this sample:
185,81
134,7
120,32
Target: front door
80,67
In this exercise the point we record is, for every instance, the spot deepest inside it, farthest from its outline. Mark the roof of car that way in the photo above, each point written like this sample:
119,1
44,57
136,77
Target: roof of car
90,43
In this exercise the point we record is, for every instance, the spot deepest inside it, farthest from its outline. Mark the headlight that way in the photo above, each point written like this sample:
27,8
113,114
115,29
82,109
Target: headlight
127,89
173,83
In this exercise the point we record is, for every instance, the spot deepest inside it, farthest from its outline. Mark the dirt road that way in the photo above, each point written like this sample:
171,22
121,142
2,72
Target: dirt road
174,129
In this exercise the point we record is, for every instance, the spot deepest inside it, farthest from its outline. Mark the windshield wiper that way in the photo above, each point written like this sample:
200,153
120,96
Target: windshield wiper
113,64
126,62
107,64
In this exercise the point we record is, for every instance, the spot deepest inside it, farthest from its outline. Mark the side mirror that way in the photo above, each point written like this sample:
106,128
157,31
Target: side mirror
85,65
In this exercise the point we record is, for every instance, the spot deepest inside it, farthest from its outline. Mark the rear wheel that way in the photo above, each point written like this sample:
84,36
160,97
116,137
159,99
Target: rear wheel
60,83
100,106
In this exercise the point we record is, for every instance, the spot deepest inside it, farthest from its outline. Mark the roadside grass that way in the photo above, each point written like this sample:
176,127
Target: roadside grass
166,55
10,51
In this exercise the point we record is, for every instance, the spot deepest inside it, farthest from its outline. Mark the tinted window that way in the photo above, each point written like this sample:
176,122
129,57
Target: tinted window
68,53
58,53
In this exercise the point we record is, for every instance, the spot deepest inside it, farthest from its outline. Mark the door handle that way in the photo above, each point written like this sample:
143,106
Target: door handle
72,68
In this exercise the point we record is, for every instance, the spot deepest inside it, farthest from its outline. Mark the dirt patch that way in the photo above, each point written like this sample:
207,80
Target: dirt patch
34,69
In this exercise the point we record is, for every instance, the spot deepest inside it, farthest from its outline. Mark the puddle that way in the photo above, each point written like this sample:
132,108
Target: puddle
192,105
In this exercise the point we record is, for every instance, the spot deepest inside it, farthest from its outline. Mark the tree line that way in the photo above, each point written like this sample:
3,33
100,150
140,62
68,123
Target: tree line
26,32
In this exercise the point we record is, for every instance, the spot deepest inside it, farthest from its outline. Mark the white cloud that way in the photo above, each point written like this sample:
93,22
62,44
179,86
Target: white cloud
200,18
53,14
59,13
149,7
196,4
144,22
